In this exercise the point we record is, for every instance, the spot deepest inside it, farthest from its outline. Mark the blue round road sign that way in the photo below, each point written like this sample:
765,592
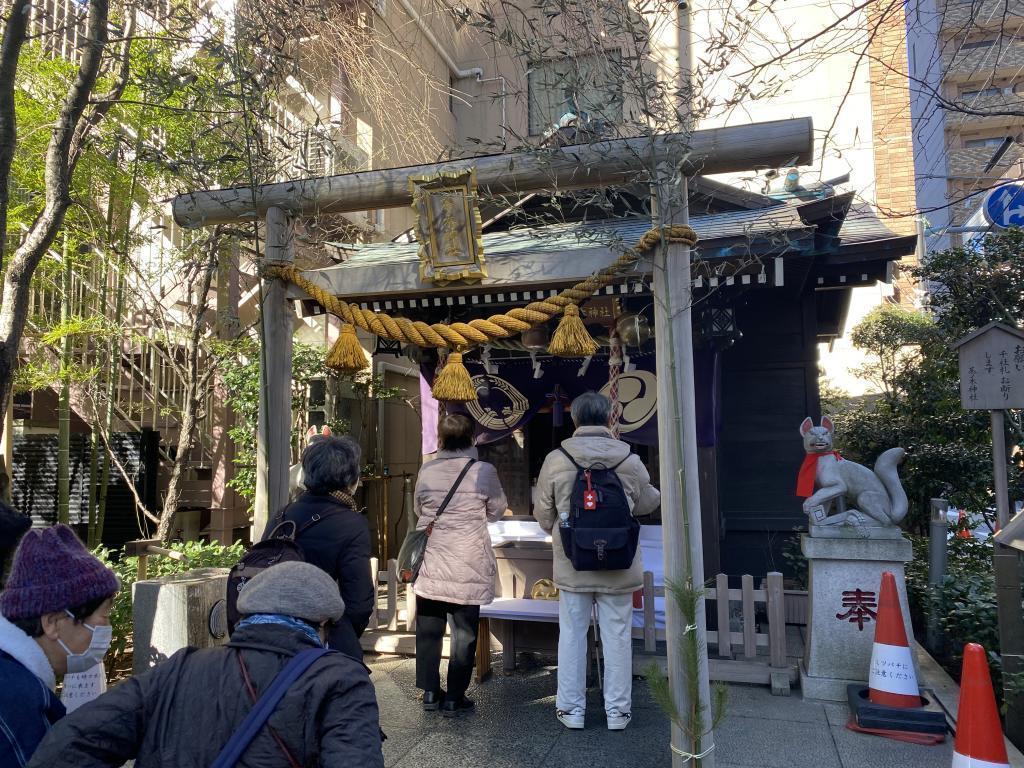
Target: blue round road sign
1004,206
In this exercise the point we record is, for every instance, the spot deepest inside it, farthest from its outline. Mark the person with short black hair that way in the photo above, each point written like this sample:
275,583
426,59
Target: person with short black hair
333,535
458,569
54,620
186,709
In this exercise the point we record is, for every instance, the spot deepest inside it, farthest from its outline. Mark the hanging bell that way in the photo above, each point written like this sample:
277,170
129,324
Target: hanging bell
633,329
414,353
536,338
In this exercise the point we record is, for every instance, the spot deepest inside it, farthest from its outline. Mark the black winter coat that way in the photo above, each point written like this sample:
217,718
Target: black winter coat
340,545
181,713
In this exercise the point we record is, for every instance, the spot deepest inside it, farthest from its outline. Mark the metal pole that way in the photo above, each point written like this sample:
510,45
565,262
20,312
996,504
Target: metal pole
938,546
938,542
680,501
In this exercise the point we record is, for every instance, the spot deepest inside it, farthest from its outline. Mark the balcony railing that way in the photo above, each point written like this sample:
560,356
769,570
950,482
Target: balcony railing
971,162
1005,57
965,15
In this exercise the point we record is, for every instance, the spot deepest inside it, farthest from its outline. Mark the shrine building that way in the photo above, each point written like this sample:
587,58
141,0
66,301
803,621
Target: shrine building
772,279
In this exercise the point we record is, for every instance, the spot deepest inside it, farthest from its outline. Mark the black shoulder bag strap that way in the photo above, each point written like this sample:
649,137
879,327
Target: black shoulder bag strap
448,498
297,529
277,521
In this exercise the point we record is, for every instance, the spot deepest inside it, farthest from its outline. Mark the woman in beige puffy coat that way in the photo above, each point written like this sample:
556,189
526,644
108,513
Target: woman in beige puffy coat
458,569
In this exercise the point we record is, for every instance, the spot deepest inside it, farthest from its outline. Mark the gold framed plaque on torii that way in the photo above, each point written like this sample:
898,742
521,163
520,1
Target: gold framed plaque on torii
448,227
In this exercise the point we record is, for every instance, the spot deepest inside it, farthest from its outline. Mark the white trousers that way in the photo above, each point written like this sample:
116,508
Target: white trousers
615,619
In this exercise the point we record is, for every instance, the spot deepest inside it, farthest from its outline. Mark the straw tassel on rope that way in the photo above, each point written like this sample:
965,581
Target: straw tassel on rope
347,355
571,338
453,382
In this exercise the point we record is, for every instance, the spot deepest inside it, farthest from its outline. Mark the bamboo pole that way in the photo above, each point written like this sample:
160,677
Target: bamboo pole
64,401
114,352
94,455
616,161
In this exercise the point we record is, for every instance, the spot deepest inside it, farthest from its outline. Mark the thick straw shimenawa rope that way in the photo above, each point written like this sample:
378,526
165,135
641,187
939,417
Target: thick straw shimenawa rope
460,336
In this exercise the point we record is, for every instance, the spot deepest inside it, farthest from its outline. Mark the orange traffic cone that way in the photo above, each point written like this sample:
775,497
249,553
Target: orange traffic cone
963,532
979,736
892,680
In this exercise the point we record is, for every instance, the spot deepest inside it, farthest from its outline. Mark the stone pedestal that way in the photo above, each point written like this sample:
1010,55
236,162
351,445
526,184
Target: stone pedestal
845,578
176,611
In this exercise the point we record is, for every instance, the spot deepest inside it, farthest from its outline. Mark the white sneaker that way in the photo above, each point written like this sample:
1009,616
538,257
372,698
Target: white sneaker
617,721
573,720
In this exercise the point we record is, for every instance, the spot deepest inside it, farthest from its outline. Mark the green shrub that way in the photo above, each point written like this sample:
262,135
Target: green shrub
964,604
198,554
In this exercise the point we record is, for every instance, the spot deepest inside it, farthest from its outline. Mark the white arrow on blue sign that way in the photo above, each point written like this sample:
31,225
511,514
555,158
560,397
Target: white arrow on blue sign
1004,206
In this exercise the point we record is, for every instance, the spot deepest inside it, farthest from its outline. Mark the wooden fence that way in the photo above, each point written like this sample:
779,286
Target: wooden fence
756,653
734,656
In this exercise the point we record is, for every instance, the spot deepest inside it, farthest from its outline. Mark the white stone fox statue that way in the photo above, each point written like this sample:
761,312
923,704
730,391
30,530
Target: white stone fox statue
872,498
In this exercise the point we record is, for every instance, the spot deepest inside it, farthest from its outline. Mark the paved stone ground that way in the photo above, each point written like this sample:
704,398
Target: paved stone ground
514,726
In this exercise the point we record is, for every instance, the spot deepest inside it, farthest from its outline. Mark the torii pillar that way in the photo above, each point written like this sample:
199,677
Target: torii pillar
606,163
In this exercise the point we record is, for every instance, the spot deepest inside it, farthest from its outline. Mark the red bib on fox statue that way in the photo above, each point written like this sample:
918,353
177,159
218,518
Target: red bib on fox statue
808,471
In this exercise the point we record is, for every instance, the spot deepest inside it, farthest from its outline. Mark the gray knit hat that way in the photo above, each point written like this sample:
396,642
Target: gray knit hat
293,588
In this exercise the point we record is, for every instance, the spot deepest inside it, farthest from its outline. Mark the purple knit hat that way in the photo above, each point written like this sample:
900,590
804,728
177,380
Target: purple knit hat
53,571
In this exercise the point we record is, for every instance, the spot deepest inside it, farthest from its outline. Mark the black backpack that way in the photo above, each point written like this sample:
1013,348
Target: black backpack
600,533
279,545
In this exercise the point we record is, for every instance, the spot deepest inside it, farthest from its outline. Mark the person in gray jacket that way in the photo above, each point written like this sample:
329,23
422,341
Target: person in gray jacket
459,568
183,711
593,443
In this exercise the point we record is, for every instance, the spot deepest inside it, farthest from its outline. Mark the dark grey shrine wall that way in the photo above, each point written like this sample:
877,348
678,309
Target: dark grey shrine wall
769,381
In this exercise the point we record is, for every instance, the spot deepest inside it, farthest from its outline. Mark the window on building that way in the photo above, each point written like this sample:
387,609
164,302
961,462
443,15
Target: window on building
970,45
981,93
991,142
22,408
590,84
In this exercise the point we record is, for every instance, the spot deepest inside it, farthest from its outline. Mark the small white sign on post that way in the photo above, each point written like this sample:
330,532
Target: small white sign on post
82,687
992,368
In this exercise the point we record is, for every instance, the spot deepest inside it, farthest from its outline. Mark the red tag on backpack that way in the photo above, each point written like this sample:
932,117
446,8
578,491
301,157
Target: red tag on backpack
589,495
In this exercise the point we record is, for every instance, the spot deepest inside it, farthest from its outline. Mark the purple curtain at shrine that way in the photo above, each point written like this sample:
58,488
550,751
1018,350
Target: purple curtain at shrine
428,418
706,380
513,396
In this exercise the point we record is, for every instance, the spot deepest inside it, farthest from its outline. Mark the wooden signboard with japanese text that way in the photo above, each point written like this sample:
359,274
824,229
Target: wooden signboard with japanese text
992,369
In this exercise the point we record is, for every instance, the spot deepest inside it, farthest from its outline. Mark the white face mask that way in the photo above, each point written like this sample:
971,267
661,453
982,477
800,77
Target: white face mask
93,655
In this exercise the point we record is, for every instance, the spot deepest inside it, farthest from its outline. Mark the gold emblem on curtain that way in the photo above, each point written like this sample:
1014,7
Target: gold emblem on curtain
448,227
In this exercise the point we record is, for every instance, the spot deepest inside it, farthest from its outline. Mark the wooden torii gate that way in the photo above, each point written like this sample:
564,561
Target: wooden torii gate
660,160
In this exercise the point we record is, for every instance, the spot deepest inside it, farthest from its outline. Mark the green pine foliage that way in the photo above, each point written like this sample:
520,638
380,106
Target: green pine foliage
948,448
696,722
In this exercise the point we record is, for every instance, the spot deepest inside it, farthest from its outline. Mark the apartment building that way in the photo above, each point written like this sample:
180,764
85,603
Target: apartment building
966,75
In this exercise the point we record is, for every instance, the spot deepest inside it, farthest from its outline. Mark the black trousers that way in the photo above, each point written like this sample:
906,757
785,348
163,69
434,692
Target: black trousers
431,618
